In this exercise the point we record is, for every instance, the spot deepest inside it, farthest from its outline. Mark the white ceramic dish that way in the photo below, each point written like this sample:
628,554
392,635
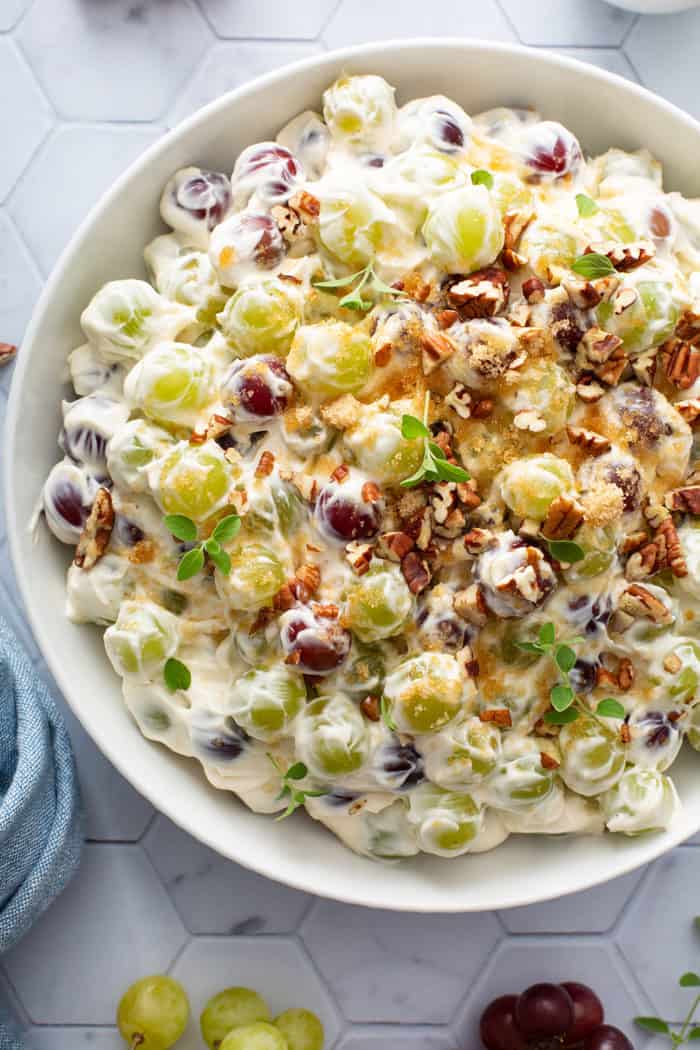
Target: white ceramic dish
603,110
655,7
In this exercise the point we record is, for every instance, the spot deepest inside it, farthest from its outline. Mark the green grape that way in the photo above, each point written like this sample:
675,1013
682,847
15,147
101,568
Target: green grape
426,692
519,783
648,322
693,727
185,275
132,448
194,480
545,387
153,1012
142,639
331,737
127,318
416,177
360,110
682,687
355,223
446,822
615,226
255,578
265,702
258,1036
551,251
328,359
593,758
301,1028
171,384
599,549
529,485
642,800
378,603
229,1009
510,194
262,317
273,504
464,229
463,754
378,447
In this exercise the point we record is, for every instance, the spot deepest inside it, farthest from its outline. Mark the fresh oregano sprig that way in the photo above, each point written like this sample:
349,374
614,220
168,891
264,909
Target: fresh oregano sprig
593,265
586,205
176,675
290,789
687,1031
365,278
386,715
566,707
192,562
435,465
566,551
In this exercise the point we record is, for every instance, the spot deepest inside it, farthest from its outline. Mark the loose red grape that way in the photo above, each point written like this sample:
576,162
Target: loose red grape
341,511
257,388
206,196
314,644
498,1028
269,170
255,237
551,149
607,1037
449,133
588,1011
544,1010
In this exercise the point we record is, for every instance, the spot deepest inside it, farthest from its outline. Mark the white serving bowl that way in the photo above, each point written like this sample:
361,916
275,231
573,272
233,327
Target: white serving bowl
655,7
603,110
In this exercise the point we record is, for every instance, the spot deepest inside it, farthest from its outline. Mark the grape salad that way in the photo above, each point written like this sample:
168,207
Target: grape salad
384,485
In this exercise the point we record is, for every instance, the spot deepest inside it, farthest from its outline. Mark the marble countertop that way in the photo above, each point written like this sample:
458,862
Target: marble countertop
85,86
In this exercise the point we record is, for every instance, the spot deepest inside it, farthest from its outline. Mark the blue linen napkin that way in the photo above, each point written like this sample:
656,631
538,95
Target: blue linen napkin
41,828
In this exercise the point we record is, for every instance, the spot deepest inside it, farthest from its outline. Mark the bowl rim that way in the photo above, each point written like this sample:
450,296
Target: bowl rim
309,880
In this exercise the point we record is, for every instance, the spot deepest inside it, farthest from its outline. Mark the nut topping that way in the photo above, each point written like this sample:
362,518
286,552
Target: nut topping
266,464
682,362
598,346
8,352
564,517
686,500
471,606
640,603
415,572
394,545
529,419
370,708
437,348
625,257
482,294
594,443
500,716
359,556
96,534
533,290
689,410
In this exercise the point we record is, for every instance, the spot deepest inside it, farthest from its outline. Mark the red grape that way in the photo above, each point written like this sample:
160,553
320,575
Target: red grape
314,644
553,151
205,196
255,237
449,132
544,1010
607,1037
257,388
269,170
344,514
588,1011
498,1028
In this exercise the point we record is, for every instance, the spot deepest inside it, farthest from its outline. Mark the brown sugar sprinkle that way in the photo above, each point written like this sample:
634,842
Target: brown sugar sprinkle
142,552
326,610
548,761
340,473
265,465
370,708
414,286
500,716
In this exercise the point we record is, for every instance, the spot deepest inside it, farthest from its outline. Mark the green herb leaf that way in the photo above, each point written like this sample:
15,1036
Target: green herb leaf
176,675
296,772
413,428
451,472
182,528
696,920
653,1024
435,451
561,718
190,564
586,206
529,647
385,712
340,282
212,546
565,550
546,634
227,528
351,301
482,178
693,1034
565,658
610,708
561,696
592,265
689,980
221,560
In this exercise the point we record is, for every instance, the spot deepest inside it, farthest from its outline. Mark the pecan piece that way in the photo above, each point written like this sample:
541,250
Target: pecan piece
8,352
359,556
548,761
500,716
285,598
97,531
481,294
371,492
594,443
266,464
564,516
682,362
370,708
533,290
688,328
588,390
529,419
306,202
598,345
478,540
625,257
686,500
471,606
640,603
446,318
306,581
394,545
460,399
436,349
669,548
689,410
415,572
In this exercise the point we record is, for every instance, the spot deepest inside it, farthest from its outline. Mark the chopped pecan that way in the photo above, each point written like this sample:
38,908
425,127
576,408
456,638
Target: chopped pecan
564,516
443,499
548,761
359,556
327,610
371,493
460,399
468,661
669,548
8,352
415,572
594,443
513,260
285,598
611,371
266,464
654,513
625,298
217,426
478,540
370,708
672,663
625,674
306,203
198,435
614,673
643,562
341,473
471,606
644,366
685,500
420,528
634,541
306,581
639,603
468,494
625,257
529,419
482,409
414,286
689,410
436,349
533,290
482,294
682,362
500,716
394,545
383,355
688,328
142,552
583,294
598,345
625,733
446,318
343,413
515,222
589,390
519,315
97,531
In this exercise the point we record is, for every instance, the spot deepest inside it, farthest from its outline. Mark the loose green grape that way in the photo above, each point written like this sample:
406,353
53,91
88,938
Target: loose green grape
648,322
132,447
593,758
328,359
464,229
426,692
265,702
642,800
377,445
142,639
682,687
463,754
519,783
551,251
378,603
185,275
615,227
599,548
546,388
256,576
693,729
531,484
301,1028
171,384
273,505
153,1012
194,480
510,194
355,224
232,1008
360,110
262,317
258,1036
331,737
416,177
446,822
127,318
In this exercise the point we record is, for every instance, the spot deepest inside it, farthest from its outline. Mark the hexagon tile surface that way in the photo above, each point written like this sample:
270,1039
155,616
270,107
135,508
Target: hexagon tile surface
85,87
